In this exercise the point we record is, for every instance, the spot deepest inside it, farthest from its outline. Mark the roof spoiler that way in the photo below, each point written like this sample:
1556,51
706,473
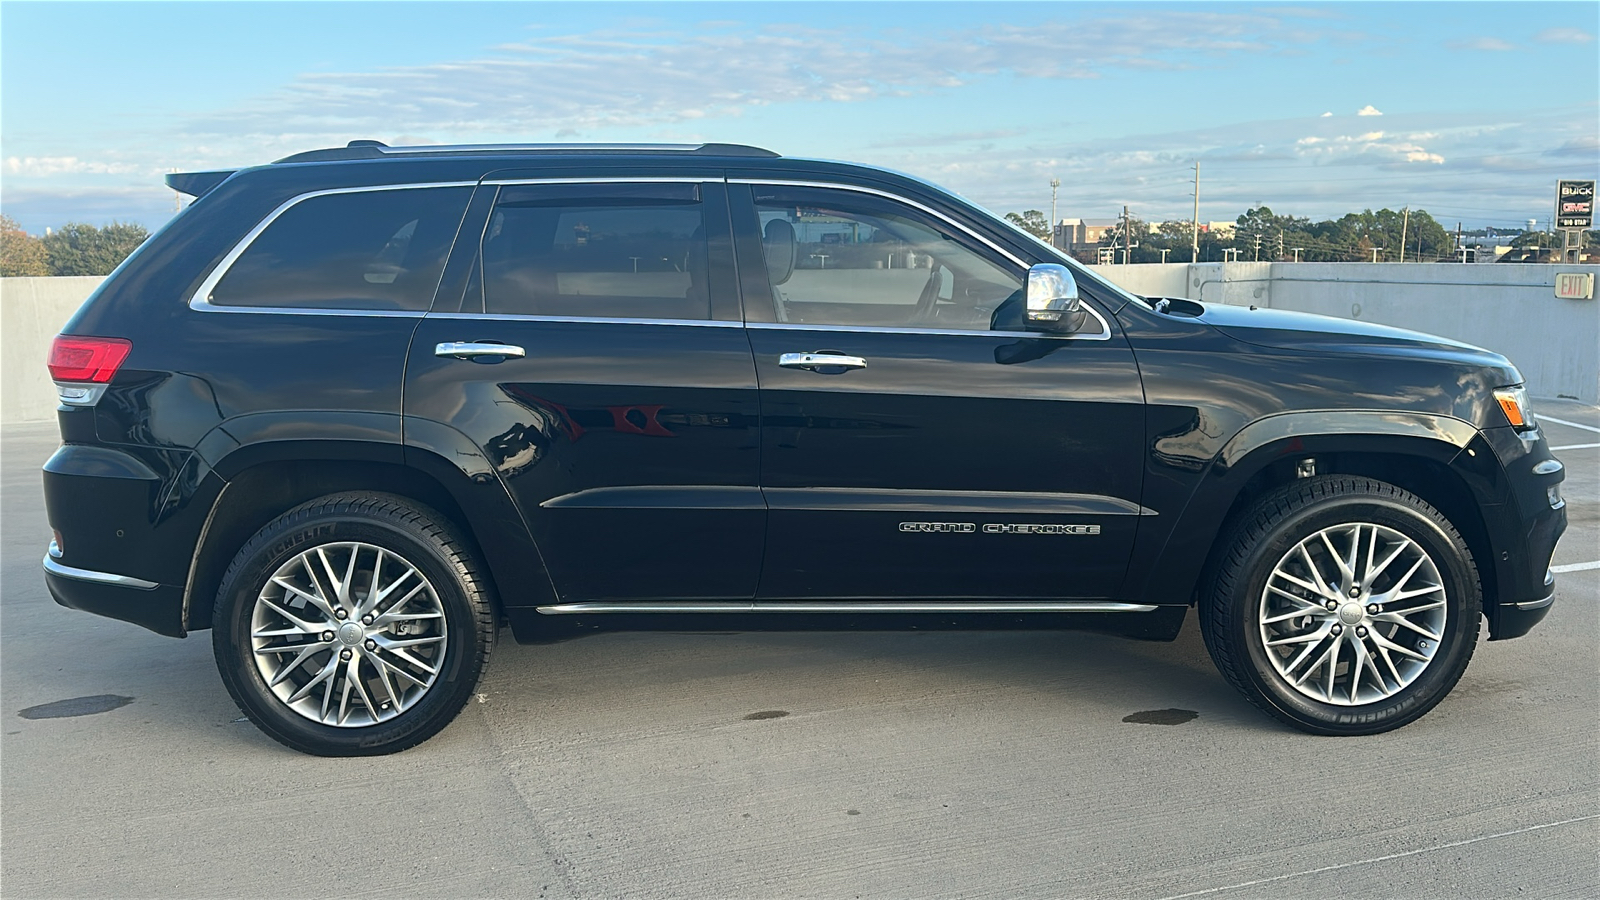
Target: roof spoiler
196,184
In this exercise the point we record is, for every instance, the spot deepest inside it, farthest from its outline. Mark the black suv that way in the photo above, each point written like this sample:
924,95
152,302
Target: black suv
356,409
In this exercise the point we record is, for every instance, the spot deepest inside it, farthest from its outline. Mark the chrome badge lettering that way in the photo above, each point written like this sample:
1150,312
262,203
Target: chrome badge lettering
1041,529
939,527
969,528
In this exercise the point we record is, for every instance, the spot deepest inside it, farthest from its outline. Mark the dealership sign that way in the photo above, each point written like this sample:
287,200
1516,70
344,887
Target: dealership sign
1575,204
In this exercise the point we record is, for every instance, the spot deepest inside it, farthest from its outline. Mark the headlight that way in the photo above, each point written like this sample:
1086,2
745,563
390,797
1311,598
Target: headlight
1514,403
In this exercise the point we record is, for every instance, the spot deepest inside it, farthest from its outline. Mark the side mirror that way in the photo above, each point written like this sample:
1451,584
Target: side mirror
1053,303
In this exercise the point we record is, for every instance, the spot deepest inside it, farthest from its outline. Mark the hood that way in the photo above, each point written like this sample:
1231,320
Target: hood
1284,330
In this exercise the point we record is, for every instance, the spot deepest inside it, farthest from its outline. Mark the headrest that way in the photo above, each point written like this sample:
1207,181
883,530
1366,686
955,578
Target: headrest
778,242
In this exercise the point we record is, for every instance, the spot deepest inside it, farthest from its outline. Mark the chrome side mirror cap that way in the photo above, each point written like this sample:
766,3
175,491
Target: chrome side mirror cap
1053,302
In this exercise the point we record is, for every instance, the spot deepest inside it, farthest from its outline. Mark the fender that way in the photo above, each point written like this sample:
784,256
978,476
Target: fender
246,441
1171,550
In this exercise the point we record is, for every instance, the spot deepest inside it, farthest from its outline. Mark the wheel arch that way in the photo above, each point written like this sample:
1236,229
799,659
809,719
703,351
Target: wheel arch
262,481
1416,452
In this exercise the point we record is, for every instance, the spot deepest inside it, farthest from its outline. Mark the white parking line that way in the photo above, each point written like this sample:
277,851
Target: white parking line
1376,859
1576,567
1576,447
1570,424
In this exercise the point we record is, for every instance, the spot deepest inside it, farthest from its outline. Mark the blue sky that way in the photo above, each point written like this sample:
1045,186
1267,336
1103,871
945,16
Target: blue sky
1472,111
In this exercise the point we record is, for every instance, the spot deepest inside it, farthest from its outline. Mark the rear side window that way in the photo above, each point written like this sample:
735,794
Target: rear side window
377,250
595,251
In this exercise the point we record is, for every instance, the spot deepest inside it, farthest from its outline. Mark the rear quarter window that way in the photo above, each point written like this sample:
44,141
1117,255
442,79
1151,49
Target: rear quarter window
364,250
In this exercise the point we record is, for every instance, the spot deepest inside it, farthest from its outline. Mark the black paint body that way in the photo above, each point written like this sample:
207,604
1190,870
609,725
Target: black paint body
647,460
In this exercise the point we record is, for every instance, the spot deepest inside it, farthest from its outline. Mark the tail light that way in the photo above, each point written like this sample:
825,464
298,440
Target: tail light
81,367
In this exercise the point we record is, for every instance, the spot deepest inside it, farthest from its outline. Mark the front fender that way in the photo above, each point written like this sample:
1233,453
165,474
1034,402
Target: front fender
1173,548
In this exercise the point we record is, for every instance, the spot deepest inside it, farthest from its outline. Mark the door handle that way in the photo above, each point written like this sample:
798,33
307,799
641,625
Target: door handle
470,350
814,361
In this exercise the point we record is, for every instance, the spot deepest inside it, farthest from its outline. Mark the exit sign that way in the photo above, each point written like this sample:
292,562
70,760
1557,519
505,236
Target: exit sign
1575,285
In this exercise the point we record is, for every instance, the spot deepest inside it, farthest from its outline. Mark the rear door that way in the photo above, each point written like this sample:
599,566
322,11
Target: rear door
592,353
916,444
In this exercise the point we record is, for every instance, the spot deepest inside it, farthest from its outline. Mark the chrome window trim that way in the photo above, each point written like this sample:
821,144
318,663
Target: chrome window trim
863,606
1105,327
607,320
1104,335
61,571
201,301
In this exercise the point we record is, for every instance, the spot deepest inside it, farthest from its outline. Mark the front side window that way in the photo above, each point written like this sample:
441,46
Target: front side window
594,251
837,257
365,250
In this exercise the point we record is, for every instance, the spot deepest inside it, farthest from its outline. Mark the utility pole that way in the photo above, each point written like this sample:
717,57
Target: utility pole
1257,257
1280,243
1460,245
1194,245
1403,225
1055,183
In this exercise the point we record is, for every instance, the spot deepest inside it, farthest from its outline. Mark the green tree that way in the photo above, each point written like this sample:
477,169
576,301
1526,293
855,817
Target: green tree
21,254
79,249
1033,222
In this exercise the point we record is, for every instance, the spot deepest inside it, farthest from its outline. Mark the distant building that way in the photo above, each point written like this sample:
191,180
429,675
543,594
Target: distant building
1074,234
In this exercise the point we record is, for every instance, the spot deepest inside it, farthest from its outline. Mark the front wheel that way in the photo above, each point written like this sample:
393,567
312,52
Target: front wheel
1343,606
353,625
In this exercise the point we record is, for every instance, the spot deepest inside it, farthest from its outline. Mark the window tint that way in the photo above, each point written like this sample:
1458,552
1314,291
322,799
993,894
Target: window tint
608,251
379,250
843,258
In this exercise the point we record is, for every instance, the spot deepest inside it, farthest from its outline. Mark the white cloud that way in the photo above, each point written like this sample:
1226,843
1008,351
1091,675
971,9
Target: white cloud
1563,36
1368,110
1327,115
45,166
1490,44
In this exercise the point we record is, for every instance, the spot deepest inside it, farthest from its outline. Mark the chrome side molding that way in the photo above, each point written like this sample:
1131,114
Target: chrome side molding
833,606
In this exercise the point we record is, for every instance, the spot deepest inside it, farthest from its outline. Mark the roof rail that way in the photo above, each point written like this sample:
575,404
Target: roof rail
363,149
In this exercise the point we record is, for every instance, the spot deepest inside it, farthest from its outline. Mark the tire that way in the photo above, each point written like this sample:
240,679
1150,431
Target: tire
1387,651
368,583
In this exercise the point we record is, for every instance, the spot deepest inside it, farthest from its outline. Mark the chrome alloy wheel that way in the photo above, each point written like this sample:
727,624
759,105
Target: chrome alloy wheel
1352,614
348,634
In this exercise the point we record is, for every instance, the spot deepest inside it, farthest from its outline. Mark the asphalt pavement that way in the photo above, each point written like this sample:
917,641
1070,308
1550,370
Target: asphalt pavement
800,765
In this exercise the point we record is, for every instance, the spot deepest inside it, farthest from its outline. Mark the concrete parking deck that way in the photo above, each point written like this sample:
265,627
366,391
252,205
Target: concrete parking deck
799,765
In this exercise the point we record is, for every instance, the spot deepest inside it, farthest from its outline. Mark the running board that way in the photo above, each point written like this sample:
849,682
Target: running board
764,606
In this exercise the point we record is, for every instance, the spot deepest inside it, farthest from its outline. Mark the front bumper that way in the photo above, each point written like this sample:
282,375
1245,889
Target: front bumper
1526,523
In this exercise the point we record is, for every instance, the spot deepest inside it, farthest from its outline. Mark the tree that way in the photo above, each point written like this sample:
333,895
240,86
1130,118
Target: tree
1033,222
21,254
79,249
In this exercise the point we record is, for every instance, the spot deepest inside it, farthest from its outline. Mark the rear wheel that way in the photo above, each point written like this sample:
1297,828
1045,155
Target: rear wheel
355,624
1343,606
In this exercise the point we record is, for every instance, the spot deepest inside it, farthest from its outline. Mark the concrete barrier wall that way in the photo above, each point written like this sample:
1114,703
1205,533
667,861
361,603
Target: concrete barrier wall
1511,309
32,311
1508,308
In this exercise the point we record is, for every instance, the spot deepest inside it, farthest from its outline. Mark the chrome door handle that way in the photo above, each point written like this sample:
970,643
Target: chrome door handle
815,361
469,350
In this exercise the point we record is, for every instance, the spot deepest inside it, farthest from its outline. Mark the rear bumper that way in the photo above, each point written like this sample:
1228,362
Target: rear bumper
154,606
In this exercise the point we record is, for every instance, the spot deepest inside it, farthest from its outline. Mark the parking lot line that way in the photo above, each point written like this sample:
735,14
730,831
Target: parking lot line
1570,424
1576,567
1576,447
1377,859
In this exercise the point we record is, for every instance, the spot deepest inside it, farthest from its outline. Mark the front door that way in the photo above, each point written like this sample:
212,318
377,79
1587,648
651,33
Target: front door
916,444
595,358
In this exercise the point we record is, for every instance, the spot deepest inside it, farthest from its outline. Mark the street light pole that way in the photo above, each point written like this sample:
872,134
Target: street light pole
1297,253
